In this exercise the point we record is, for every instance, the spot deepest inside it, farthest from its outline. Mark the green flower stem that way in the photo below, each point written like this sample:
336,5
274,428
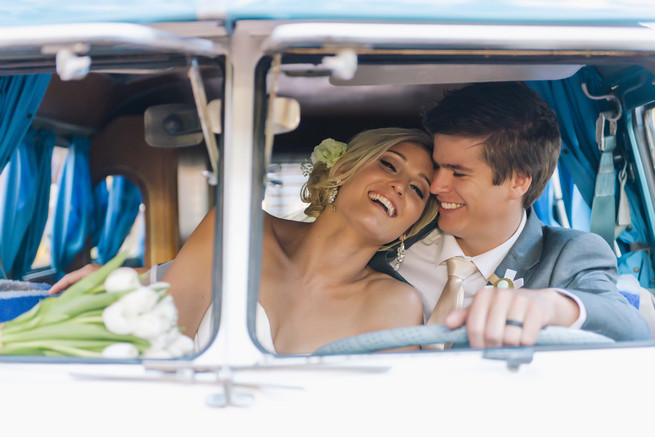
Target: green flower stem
70,330
56,310
59,346
79,304
85,285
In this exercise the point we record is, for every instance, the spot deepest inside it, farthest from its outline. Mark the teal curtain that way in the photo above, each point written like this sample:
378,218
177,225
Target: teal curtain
24,201
122,208
578,163
72,220
99,211
20,97
576,115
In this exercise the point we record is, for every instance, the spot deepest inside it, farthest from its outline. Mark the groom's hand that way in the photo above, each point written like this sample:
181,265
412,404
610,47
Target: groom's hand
512,317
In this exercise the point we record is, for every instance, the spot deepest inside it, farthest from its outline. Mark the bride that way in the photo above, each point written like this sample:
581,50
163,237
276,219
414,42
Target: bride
315,285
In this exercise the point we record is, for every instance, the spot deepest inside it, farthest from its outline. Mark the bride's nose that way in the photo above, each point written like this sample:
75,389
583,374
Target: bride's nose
398,188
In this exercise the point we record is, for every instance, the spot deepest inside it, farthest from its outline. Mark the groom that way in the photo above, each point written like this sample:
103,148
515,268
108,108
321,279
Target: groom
495,147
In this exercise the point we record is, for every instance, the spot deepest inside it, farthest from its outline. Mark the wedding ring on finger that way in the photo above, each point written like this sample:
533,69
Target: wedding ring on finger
514,323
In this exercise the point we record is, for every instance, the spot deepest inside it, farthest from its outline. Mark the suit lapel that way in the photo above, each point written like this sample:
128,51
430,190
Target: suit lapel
526,252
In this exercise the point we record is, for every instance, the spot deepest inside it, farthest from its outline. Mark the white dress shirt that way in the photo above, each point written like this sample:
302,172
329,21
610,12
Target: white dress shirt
425,268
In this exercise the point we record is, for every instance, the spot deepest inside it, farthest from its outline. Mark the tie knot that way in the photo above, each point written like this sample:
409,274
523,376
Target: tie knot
460,267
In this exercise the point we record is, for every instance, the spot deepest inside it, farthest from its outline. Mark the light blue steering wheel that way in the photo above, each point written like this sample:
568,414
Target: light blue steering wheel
430,334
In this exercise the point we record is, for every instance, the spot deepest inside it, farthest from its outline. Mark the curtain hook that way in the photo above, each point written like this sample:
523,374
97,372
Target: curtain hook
610,98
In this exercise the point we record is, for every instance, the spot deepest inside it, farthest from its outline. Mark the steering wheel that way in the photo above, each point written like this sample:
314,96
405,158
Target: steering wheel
430,334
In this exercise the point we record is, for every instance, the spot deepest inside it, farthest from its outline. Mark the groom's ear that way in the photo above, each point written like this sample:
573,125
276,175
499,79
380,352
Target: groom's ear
519,185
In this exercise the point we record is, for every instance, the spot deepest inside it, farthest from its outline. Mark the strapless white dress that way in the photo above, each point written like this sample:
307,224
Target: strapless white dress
262,330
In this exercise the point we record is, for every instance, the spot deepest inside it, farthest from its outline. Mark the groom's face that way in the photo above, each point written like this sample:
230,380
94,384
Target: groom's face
478,213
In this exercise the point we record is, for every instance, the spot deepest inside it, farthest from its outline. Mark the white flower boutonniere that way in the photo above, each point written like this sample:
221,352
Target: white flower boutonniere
328,152
508,281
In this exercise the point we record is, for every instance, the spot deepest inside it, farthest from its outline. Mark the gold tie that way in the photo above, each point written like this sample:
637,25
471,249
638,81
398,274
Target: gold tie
452,295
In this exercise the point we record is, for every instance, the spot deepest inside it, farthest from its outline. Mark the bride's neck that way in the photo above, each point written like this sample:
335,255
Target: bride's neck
332,249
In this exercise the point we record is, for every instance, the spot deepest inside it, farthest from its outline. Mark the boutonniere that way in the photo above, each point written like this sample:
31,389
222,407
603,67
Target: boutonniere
509,280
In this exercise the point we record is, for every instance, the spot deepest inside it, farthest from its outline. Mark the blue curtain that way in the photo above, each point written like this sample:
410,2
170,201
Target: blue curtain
24,201
577,115
578,163
72,221
122,209
20,97
635,244
99,211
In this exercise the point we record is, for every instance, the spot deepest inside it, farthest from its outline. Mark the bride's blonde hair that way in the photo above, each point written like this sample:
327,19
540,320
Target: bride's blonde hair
364,149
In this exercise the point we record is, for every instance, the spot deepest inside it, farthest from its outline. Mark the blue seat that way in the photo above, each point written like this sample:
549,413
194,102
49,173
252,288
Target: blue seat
17,297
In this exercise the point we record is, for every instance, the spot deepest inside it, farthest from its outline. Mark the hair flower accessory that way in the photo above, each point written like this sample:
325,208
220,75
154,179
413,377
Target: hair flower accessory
328,152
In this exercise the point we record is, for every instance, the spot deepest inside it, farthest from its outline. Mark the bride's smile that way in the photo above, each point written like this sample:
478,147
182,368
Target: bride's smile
395,187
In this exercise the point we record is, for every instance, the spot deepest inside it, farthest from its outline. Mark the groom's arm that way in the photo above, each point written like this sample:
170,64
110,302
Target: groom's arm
581,264
593,280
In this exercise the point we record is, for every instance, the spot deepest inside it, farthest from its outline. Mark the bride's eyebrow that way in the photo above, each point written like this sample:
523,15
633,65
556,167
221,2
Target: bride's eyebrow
427,179
398,153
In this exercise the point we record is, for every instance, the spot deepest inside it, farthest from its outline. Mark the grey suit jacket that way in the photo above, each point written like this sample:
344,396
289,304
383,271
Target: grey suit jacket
579,262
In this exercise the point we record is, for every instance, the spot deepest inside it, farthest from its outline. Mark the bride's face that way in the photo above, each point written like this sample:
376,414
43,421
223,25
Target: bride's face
388,196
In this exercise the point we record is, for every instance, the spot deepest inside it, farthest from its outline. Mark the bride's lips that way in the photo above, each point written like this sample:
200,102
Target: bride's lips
385,202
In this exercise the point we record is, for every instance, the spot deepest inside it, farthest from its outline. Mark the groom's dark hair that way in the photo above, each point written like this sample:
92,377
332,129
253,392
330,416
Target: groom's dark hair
519,130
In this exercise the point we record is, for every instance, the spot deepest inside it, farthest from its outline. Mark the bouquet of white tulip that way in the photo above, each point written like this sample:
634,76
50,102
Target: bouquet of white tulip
107,314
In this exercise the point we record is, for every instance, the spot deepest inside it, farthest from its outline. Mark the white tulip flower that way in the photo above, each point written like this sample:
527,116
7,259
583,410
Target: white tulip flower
156,353
166,311
182,345
140,301
120,350
117,320
122,279
149,326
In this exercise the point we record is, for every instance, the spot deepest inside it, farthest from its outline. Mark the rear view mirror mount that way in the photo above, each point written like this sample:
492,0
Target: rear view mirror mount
172,126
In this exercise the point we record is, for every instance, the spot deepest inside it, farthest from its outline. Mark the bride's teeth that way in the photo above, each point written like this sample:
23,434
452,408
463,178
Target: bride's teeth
446,205
384,201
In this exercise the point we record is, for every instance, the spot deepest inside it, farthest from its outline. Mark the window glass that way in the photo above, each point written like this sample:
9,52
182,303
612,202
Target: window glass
283,187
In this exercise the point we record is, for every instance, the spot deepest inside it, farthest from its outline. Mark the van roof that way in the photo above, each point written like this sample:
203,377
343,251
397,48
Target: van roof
623,12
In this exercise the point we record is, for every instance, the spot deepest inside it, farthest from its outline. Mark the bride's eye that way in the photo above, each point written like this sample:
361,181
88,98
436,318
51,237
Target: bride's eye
418,191
388,164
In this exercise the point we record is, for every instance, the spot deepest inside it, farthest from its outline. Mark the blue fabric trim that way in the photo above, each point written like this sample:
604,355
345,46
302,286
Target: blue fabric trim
632,298
13,305
17,297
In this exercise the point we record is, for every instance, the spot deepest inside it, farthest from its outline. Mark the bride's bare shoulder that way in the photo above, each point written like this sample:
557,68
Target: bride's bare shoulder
282,229
398,302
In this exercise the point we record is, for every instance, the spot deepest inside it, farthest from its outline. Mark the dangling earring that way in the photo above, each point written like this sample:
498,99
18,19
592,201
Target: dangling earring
333,196
401,252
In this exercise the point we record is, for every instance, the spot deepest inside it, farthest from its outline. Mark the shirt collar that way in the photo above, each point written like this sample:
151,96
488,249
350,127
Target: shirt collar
485,262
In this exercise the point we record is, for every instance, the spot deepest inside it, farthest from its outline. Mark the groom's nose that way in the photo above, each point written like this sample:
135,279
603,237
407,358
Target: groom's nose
440,182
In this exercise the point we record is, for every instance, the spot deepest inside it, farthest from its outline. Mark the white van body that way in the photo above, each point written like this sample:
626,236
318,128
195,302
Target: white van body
232,386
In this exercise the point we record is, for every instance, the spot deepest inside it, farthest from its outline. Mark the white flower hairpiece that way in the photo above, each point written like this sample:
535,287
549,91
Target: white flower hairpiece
328,152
